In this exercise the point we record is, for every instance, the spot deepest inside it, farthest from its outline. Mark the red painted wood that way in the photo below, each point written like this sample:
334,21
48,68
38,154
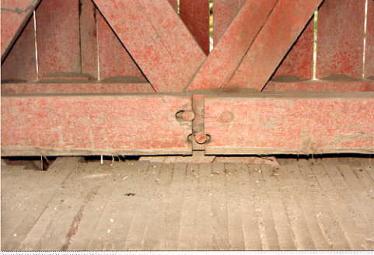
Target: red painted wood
14,15
321,86
20,64
115,61
88,38
81,125
224,12
195,14
297,125
227,55
369,57
58,37
174,4
340,38
284,25
75,88
157,39
299,60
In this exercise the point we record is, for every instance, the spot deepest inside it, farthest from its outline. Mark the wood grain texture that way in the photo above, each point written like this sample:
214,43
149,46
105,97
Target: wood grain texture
291,125
14,15
298,62
78,205
322,86
114,59
60,87
20,63
340,40
88,38
369,57
58,37
195,14
224,12
81,125
225,58
162,46
281,30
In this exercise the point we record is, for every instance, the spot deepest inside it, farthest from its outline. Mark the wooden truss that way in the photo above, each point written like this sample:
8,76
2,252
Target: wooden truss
181,97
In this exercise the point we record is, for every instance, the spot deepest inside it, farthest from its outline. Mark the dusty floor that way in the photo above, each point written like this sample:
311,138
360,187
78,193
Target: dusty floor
75,205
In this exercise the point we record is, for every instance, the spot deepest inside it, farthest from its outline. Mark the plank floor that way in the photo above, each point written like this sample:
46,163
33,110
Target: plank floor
137,205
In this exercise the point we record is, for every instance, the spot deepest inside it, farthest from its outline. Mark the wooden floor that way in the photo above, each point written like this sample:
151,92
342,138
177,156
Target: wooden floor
78,205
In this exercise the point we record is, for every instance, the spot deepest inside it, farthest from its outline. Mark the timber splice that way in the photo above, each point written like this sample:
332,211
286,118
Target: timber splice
152,124
91,77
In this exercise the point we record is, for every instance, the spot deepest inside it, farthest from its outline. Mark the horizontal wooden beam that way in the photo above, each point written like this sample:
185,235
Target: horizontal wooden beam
75,88
14,15
322,86
85,125
84,87
298,124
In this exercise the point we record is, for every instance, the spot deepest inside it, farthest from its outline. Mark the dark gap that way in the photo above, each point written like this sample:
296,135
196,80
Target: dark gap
110,158
30,162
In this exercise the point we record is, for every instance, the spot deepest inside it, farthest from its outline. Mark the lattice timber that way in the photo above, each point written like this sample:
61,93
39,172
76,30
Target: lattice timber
139,77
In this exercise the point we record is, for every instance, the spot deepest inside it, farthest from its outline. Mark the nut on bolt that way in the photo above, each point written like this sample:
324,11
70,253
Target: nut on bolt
185,115
201,138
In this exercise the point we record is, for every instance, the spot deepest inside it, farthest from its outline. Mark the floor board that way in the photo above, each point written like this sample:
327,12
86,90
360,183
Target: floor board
139,205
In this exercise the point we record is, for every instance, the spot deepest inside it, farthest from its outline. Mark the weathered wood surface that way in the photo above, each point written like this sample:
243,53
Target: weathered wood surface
289,124
322,86
14,15
114,60
340,38
195,14
83,87
303,204
161,44
298,63
224,12
80,125
58,37
225,58
88,38
20,63
75,88
281,30
369,57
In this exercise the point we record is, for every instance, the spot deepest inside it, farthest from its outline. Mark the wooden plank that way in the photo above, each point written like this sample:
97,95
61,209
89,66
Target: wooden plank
157,39
20,63
57,23
226,56
195,14
29,204
114,60
369,56
281,30
224,12
14,15
321,86
340,41
174,4
88,38
299,60
85,125
291,124
75,88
